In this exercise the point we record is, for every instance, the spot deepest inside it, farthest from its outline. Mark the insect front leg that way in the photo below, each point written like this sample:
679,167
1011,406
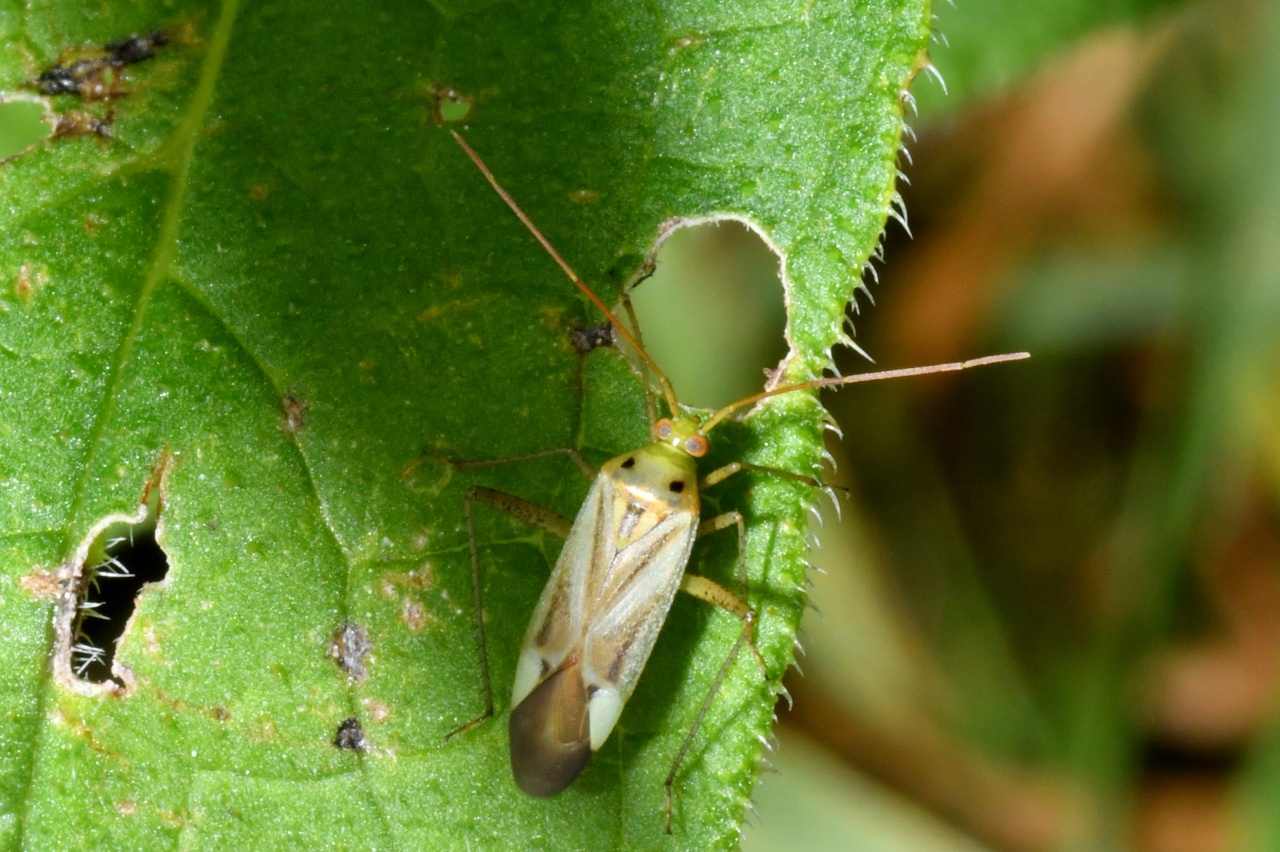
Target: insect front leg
522,510
713,593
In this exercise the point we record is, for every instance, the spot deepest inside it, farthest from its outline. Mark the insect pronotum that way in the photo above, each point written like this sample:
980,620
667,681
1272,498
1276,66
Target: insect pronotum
622,563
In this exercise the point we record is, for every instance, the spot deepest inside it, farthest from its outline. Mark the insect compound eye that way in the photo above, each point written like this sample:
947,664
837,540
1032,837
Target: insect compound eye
696,446
663,428
630,462
676,486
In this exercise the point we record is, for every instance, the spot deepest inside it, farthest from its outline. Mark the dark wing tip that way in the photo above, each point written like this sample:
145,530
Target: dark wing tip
550,744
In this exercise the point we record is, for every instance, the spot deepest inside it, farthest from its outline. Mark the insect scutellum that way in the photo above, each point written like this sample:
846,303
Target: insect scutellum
624,558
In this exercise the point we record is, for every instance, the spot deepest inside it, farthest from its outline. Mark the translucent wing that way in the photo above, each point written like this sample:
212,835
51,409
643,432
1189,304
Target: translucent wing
600,615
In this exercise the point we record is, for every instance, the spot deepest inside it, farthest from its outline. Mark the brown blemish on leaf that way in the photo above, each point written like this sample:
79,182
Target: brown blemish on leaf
267,729
378,712
23,287
415,615
78,122
91,224
218,712
79,729
686,42
295,414
584,196
422,579
44,584
348,647
126,808
259,192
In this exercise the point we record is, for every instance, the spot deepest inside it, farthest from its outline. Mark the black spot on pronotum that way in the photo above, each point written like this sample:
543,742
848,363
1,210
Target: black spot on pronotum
350,736
676,486
124,558
591,337
348,647
629,463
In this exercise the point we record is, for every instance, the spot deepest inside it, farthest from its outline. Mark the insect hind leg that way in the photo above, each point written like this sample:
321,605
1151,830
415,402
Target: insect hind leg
522,510
713,593
576,457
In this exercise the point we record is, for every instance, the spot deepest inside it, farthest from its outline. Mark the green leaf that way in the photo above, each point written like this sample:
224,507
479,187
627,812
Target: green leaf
283,290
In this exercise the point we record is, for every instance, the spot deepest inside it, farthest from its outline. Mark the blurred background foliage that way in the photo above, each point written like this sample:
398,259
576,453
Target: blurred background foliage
1050,618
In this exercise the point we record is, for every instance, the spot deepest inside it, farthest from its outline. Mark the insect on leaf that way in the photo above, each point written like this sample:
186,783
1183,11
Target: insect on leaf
259,273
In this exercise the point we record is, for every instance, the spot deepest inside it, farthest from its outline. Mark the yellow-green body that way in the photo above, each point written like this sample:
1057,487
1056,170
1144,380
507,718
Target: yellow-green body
600,613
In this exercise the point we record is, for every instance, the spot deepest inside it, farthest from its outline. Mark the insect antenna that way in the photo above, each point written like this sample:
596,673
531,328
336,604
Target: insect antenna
954,366
668,392
649,408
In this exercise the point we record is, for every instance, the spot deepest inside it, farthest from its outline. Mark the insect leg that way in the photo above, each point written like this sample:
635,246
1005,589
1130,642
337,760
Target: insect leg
521,510
576,457
711,592
720,474
721,522
717,595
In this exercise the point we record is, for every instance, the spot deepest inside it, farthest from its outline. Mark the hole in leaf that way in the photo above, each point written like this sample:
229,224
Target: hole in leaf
448,105
121,560
713,315
23,123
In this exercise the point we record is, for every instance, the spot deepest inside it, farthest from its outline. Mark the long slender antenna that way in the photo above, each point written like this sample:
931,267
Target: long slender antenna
667,390
955,366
